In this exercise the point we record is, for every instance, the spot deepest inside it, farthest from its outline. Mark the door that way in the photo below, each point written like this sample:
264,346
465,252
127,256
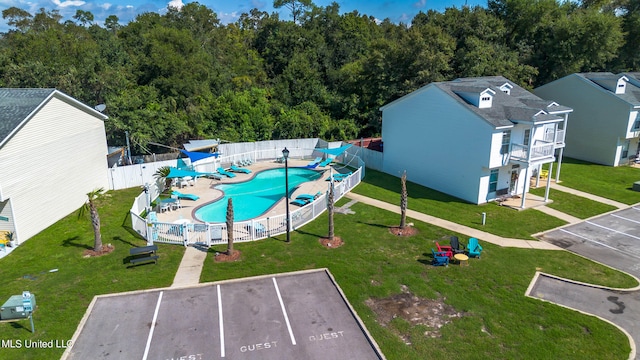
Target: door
514,181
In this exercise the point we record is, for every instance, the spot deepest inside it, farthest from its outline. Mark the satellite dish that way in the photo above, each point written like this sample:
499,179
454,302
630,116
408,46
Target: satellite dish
101,107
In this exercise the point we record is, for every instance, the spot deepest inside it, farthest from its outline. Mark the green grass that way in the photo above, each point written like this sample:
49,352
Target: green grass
498,322
573,205
62,297
501,221
609,182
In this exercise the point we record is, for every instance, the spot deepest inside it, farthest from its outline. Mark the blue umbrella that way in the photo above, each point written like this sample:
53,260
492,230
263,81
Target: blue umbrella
180,173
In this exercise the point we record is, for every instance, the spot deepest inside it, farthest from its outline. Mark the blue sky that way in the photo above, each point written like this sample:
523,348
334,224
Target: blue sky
228,11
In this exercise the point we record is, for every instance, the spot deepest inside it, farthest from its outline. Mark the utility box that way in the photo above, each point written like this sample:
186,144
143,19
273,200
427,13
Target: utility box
18,307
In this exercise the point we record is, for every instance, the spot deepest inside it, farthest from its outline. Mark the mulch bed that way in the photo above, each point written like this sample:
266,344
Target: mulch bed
407,231
224,257
330,244
106,249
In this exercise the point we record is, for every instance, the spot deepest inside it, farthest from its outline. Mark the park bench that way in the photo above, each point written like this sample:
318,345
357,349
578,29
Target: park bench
144,254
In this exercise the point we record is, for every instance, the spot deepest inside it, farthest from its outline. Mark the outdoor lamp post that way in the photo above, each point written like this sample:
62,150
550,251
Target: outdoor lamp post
285,153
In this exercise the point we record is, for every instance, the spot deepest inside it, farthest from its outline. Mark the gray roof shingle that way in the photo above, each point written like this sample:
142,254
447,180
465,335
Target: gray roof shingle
16,105
506,109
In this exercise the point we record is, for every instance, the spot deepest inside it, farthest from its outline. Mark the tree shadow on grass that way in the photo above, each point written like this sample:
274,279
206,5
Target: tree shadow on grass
118,238
72,241
377,225
306,233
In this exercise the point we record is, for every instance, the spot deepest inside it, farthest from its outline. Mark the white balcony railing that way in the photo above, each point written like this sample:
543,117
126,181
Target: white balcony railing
521,152
548,137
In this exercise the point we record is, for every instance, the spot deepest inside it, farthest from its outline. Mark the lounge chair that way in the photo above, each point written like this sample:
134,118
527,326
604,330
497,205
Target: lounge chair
474,248
222,171
280,159
213,176
309,196
240,170
445,249
326,162
316,161
338,177
180,195
301,202
439,258
456,247
313,166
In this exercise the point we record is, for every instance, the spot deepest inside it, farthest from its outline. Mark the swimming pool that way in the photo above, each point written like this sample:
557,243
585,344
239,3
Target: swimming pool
254,197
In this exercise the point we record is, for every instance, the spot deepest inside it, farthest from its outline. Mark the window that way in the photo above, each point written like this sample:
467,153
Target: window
493,180
527,135
486,98
506,140
636,124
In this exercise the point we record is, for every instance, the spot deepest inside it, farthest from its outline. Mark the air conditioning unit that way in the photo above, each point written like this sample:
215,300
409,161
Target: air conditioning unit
18,307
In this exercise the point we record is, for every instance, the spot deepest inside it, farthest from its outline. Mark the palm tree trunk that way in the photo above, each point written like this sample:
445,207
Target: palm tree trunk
403,201
229,227
330,211
95,222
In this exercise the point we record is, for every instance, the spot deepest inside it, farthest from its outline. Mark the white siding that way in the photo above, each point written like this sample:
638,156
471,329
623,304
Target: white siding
50,165
598,120
440,144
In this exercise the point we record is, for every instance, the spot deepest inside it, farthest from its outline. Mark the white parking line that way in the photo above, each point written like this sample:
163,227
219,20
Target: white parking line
602,244
613,230
153,326
284,311
624,218
220,322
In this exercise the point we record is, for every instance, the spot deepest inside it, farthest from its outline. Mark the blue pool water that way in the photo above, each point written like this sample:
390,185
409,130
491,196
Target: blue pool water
254,197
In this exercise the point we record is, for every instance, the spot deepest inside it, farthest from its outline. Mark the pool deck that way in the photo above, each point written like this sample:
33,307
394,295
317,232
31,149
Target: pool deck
204,188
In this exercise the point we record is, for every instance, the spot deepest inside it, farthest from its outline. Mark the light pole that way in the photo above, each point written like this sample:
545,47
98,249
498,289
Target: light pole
285,153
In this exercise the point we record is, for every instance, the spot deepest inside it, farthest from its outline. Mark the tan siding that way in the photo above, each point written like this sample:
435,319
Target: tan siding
51,164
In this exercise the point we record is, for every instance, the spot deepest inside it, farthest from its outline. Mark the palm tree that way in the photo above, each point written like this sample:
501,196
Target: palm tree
403,201
93,199
330,212
229,227
161,174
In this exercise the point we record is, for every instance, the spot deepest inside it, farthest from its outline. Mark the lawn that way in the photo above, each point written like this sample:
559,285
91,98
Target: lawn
574,205
497,320
609,182
62,297
501,220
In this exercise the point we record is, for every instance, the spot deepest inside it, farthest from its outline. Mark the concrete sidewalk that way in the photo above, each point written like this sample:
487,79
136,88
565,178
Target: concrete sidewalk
188,273
583,194
471,232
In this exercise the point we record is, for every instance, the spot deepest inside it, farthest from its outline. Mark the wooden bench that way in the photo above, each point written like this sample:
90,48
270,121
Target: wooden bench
144,254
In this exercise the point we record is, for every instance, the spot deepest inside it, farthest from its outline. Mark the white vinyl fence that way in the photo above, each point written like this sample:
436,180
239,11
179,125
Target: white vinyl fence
256,229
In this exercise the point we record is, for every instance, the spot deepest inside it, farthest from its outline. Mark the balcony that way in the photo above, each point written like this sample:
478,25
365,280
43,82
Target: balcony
538,153
548,137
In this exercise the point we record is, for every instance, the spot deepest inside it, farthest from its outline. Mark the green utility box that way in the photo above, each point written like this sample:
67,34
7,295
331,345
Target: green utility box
18,307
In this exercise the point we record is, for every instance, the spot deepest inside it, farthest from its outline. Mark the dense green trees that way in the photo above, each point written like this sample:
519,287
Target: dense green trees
184,75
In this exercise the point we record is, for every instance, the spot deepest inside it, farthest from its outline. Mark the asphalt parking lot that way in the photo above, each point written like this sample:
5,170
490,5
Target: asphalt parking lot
612,239
287,316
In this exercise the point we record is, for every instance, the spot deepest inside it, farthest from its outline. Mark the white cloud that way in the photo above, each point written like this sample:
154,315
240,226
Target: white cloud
68,3
105,6
228,18
177,4
420,4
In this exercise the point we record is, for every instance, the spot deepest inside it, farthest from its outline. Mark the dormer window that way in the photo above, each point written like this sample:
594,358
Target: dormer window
486,99
621,85
506,88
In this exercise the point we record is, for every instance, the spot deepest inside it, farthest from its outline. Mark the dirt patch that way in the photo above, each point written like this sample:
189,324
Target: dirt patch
407,231
224,257
331,244
433,313
106,249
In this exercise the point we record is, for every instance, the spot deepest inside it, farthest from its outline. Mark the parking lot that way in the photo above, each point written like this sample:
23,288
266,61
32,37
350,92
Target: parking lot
612,239
288,316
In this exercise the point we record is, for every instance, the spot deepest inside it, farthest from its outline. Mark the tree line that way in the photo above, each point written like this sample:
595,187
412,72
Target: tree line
184,75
